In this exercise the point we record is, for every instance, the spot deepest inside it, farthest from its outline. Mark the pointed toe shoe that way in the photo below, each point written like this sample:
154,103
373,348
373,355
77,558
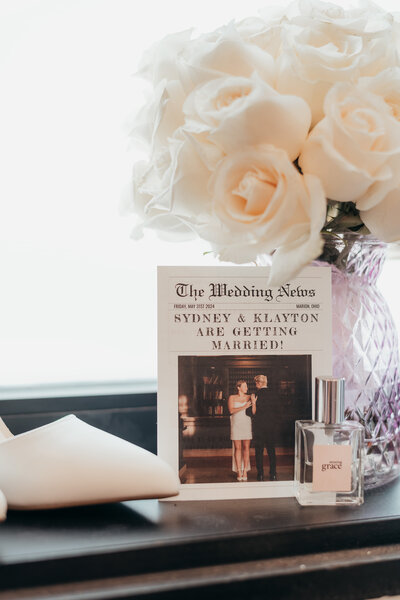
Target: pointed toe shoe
71,463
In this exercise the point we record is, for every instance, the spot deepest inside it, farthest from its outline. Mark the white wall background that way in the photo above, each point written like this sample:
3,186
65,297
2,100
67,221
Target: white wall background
77,296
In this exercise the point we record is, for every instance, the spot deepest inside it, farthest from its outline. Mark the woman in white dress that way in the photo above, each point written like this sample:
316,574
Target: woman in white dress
241,434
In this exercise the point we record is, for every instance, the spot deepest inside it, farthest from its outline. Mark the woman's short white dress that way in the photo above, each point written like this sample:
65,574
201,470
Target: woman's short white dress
240,423
240,430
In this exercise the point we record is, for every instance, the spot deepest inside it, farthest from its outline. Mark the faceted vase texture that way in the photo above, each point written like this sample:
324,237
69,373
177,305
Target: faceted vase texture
365,350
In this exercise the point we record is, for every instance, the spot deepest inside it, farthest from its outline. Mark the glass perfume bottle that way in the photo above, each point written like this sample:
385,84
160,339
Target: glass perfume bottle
329,451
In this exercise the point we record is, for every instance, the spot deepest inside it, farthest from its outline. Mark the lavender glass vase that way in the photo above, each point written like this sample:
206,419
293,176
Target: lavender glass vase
365,349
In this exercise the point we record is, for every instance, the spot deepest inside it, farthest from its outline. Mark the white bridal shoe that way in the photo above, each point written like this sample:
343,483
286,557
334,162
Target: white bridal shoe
71,463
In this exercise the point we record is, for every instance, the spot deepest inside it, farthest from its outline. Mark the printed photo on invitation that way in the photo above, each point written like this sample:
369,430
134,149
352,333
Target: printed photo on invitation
237,361
216,446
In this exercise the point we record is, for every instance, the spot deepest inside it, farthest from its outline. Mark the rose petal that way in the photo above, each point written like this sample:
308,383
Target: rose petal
383,220
341,180
262,117
289,259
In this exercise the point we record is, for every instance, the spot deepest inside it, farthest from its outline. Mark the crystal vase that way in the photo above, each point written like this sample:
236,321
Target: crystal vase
365,349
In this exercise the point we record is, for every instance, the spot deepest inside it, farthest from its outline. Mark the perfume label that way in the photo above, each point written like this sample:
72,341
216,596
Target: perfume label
332,468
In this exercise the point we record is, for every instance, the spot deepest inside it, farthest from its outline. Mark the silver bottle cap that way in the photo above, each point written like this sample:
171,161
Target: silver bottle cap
329,400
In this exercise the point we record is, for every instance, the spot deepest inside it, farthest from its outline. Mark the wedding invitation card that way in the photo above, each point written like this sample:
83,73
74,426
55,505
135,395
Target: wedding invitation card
236,364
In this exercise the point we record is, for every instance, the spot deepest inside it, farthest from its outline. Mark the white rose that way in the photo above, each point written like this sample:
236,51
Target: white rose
170,194
236,112
262,203
368,17
178,64
224,52
194,60
160,62
160,116
355,149
383,219
326,44
387,85
264,32
136,199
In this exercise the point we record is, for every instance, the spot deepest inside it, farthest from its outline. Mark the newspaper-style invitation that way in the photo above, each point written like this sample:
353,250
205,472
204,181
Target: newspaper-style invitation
236,366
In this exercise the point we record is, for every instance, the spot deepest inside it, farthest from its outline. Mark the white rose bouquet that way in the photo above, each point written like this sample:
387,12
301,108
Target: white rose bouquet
269,131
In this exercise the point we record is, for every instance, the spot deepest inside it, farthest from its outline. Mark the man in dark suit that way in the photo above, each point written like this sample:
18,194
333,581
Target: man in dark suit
263,427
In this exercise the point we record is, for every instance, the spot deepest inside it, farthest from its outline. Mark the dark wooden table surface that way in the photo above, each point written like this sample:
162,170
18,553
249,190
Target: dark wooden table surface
270,548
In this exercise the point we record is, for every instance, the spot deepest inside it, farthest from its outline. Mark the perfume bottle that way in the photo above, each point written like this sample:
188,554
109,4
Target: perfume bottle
329,452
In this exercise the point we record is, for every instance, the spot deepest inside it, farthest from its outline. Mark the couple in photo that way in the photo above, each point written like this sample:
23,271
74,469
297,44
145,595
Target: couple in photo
252,419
